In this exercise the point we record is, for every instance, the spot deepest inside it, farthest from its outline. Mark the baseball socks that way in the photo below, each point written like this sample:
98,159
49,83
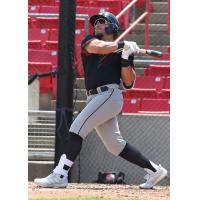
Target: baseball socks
73,148
63,166
134,156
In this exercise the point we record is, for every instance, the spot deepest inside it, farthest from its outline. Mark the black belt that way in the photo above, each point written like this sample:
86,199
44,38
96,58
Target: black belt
95,91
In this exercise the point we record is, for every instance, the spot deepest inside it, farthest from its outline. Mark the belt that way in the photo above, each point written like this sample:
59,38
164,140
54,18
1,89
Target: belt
97,90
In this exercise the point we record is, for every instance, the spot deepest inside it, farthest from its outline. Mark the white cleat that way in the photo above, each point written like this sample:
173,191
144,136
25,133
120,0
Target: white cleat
52,181
154,178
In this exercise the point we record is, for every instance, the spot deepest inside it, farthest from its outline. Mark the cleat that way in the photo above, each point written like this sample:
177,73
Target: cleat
52,181
153,178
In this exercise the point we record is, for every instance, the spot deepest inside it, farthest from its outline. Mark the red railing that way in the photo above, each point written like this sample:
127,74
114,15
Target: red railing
126,8
147,25
142,16
168,18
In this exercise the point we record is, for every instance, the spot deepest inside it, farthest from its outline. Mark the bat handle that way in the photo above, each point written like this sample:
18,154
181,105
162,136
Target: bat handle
151,52
143,51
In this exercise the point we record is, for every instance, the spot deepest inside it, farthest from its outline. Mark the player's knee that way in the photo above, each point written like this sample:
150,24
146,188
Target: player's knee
79,129
116,146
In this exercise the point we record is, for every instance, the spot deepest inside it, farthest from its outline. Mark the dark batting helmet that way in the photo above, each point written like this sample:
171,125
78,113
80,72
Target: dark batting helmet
113,22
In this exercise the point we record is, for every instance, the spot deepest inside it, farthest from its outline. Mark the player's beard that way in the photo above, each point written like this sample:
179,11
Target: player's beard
98,35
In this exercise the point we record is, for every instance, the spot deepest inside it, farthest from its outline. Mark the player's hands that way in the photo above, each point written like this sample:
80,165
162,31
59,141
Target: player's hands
129,48
135,47
128,44
127,52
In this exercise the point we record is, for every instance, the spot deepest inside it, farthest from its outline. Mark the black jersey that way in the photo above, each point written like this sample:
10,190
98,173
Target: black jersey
100,69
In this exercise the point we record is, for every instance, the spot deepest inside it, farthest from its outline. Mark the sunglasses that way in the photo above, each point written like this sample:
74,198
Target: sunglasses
101,21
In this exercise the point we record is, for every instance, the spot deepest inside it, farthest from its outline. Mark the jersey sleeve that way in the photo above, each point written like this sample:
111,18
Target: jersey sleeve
87,40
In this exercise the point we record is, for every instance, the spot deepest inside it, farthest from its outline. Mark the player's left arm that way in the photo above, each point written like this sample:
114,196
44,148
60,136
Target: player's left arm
128,74
128,77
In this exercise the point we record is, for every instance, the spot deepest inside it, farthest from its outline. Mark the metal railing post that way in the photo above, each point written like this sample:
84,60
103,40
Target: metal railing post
126,8
132,26
147,25
168,17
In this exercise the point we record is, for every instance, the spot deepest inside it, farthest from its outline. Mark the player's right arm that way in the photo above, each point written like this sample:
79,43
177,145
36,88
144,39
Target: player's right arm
101,47
90,44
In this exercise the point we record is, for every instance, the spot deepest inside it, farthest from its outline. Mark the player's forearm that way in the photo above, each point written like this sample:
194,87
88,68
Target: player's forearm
107,47
128,75
102,47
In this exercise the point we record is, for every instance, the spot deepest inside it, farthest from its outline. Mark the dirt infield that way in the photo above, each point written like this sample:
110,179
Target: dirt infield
109,192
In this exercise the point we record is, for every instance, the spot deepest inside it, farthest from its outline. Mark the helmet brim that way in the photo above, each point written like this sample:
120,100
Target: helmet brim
95,17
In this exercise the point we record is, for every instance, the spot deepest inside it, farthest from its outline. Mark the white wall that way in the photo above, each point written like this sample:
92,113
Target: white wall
33,95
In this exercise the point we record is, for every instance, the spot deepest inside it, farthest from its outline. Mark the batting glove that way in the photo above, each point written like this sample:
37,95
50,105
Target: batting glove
127,52
134,46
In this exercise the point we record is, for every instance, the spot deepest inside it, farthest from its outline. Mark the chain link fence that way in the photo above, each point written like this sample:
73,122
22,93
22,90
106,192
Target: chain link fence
149,133
150,96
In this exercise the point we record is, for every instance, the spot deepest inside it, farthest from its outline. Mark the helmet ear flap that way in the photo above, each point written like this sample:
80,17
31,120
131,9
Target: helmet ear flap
111,29
115,29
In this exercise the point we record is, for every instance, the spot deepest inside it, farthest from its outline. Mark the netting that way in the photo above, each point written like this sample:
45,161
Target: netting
149,133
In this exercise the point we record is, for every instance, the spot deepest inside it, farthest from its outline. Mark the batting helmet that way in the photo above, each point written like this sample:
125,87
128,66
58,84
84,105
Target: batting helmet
113,22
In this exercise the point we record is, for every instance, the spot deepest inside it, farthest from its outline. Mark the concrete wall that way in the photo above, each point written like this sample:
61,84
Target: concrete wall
39,169
33,95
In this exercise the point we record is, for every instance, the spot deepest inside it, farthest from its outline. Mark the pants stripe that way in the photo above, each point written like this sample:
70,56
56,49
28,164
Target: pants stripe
96,110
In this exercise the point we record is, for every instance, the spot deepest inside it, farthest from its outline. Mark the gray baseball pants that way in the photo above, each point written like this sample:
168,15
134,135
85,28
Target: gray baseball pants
100,114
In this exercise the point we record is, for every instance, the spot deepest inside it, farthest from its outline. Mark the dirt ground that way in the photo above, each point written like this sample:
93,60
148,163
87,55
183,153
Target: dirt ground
109,192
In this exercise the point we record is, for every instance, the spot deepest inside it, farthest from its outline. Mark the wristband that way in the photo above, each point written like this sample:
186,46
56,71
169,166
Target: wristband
125,63
120,45
128,86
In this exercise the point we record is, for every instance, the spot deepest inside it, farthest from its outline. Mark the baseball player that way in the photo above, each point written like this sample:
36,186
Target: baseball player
105,62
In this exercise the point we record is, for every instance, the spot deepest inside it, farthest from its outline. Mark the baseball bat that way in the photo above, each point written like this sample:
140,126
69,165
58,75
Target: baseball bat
151,52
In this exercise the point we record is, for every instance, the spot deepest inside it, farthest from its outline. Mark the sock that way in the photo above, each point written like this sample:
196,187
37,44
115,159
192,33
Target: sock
63,166
133,155
72,149
73,146
156,167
